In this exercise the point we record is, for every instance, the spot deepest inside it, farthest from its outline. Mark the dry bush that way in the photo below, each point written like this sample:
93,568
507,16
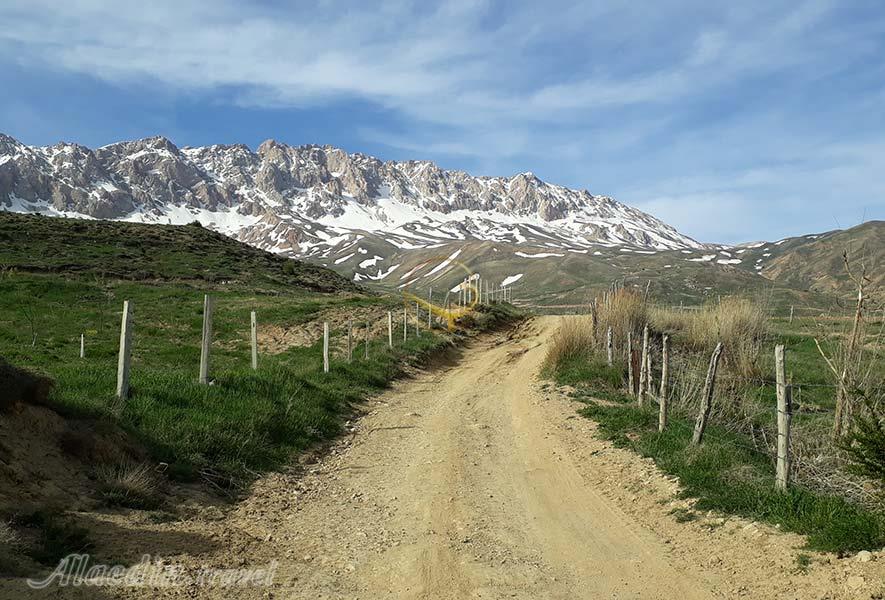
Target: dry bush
8,536
573,338
130,485
669,320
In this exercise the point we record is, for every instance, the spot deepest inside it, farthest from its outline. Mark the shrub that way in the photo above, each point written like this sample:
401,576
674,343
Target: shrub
865,445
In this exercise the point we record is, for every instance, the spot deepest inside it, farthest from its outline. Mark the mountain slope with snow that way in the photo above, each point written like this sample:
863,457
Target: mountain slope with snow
314,202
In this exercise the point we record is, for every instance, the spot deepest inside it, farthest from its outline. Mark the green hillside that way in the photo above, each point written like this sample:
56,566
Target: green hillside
135,251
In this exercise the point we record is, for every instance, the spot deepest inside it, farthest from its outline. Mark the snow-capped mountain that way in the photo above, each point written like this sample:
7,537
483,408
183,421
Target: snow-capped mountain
315,202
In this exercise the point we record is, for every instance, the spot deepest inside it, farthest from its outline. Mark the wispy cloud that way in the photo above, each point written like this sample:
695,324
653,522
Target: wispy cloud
750,104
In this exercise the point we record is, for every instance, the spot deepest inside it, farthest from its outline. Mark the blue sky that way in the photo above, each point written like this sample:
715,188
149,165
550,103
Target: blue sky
731,121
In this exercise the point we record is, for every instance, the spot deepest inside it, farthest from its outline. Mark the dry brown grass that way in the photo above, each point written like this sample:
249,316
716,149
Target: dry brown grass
573,338
740,324
625,311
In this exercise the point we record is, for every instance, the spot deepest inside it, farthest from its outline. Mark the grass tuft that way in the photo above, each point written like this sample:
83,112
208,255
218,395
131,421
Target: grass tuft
130,485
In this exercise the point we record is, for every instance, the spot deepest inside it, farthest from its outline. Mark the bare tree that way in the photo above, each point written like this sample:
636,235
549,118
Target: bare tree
846,371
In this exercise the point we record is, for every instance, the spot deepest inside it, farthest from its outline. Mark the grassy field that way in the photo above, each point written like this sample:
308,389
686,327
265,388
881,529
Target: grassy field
733,470
247,420
63,278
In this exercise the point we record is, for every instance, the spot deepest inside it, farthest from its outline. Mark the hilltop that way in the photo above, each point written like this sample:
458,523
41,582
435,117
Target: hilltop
135,251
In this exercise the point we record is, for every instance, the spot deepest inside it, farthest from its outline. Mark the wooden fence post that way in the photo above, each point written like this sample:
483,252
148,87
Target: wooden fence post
429,305
784,418
609,345
254,336
791,313
367,339
325,347
707,397
630,374
82,346
663,401
349,340
206,344
643,368
390,329
405,322
123,360
417,321
648,378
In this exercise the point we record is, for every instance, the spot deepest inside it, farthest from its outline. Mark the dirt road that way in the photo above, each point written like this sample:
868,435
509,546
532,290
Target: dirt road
474,481
457,488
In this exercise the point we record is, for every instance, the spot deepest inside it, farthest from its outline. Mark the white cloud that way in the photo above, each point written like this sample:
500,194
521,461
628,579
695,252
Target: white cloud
649,105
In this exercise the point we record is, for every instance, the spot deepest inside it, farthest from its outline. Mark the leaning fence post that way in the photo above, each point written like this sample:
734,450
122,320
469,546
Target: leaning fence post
125,355
82,346
665,374
784,417
643,368
707,397
254,335
326,347
390,329
630,374
609,345
791,313
206,344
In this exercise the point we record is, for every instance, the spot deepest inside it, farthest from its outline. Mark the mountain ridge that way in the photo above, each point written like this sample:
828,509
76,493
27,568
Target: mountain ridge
311,200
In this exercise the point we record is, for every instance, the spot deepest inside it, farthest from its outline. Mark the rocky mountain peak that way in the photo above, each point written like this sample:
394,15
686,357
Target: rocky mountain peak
305,200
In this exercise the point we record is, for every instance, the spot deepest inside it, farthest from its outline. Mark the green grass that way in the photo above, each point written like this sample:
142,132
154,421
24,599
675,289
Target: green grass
134,251
592,377
723,474
247,420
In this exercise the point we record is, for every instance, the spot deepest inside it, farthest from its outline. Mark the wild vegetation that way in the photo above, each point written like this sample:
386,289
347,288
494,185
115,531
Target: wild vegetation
835,499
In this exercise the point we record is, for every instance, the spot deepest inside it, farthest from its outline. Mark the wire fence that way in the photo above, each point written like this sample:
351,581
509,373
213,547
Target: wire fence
745,414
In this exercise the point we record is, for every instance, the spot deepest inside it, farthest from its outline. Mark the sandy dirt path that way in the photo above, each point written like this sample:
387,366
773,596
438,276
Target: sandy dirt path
477,481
